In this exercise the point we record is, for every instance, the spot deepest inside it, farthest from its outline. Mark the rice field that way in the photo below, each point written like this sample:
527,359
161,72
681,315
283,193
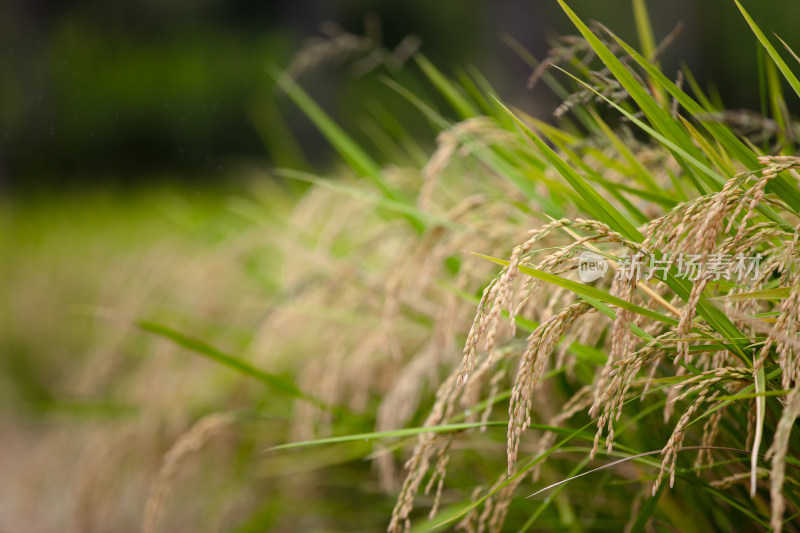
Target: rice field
588,323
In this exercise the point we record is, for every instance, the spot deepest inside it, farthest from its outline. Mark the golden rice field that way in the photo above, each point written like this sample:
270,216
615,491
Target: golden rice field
587,324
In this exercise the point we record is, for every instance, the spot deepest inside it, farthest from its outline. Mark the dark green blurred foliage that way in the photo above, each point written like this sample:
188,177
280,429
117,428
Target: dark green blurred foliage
127,89
135,90
131,89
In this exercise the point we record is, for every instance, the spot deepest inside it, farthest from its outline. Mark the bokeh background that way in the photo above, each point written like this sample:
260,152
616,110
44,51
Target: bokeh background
136,142
131,92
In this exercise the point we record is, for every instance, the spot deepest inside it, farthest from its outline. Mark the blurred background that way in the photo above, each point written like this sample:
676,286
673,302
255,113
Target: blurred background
136,142
129,93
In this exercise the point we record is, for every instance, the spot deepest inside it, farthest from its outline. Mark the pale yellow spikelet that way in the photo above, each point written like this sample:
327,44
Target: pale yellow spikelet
446,145
417,466
468,524
531,368
777,452
494,516
578,402
495,296
336,46
702,385
704,236
620,380
739,477
673,446
430,446
469,135
188,443
494,389
438,476
620,343
710,432
476,332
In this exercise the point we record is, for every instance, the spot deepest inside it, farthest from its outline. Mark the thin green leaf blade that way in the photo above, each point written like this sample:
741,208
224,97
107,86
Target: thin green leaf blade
460,103
586,290
598,206
274,381
342,142
773,53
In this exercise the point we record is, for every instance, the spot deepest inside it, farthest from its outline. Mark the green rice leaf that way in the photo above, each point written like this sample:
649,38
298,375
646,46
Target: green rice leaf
661,120
705,169
273,381
463,107
593,201
644,28
586,290
644,177
347,147
406,432
781,186
794,55
342,142
767,294
773,53
379,201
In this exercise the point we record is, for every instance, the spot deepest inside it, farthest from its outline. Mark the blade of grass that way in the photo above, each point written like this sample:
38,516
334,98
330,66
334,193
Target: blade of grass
477,94
773,53
489,156
729,500
593,201
379,201
777,102
406,432
750,395
283,147
392,126
767,294
656,115
587,290
546,503
644,30
430,113
273,381
640,172
698,92
487,89
794,55
458,101
706,170
781,186
347,147
630,458
561,139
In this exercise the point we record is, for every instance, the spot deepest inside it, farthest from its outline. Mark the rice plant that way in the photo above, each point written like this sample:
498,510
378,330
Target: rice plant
589,323
682,358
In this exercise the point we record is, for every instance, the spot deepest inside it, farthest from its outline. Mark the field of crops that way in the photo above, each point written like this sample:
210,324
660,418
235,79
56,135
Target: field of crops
590,323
